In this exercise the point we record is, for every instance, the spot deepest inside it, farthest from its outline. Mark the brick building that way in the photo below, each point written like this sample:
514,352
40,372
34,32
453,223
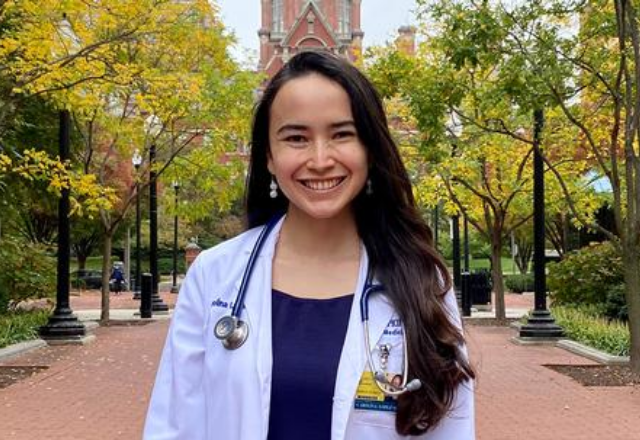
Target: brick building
290,26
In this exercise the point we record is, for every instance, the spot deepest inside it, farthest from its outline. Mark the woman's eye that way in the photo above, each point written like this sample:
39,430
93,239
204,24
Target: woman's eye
344,135
296,139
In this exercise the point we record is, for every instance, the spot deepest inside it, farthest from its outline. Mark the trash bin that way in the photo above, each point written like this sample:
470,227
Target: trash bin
480,287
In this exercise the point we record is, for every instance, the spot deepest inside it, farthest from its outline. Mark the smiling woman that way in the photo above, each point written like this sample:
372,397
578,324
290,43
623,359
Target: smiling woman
343,324
316,155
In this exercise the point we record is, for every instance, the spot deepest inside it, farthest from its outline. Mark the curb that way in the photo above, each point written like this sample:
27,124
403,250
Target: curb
21,348
591,353
574,347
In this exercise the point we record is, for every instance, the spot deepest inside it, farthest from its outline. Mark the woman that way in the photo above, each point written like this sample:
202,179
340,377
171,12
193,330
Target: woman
309,369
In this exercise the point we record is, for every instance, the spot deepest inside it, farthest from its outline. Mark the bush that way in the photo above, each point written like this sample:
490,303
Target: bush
519,283
28,272
165,265
584,325
18,326
590,276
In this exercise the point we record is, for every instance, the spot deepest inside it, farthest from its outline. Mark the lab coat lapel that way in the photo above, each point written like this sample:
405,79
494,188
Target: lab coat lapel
257,311
353,358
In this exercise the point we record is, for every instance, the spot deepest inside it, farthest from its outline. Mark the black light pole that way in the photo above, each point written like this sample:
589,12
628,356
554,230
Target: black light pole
466,244
455,241
174,286
540,323
137,161
158,304
435,227
63,325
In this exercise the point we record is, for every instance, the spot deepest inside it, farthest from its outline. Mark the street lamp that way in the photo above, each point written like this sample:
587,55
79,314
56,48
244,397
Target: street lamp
136,160
153,125
174,286
540,323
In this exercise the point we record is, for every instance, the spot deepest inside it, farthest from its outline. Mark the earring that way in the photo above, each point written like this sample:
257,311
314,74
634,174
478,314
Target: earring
369,190
273,186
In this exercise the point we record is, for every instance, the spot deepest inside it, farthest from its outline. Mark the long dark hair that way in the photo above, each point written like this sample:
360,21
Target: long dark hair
398,242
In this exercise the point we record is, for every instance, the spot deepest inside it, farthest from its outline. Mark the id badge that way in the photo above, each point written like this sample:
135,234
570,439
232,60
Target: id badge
370,398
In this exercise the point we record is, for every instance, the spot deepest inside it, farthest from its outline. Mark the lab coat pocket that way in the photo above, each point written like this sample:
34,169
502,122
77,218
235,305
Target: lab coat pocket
365,424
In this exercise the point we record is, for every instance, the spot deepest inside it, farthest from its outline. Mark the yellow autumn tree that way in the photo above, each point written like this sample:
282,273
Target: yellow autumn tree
134,74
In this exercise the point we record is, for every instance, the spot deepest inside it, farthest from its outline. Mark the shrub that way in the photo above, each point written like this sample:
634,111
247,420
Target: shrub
18,326
165,265
590,276
584,325
519,283
28,271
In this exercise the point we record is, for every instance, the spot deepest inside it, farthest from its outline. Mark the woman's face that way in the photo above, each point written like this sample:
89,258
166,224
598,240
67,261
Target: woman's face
316,155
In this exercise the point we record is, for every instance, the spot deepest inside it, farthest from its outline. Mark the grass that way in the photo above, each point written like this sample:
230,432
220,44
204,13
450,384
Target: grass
20,326
508,266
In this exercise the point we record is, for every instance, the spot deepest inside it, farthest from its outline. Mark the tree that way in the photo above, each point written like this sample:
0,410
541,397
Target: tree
480,172
134,74
582,60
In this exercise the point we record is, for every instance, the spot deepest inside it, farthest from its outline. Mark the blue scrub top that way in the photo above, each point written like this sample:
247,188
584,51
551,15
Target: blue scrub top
308,335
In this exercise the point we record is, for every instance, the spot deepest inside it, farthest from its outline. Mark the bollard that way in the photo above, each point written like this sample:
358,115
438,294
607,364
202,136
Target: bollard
145,296
466,294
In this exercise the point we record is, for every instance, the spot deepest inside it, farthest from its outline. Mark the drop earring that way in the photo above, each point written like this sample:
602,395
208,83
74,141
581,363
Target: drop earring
273,186
369,190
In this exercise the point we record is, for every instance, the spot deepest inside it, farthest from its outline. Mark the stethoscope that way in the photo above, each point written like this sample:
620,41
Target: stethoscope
233,331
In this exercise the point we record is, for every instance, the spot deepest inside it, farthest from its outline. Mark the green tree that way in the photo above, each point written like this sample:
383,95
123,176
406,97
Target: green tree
580,60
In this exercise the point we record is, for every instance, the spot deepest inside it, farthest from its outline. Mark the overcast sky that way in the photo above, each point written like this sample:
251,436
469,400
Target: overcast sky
380,21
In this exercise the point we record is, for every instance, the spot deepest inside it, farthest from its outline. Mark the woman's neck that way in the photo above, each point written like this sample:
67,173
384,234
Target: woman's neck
303,236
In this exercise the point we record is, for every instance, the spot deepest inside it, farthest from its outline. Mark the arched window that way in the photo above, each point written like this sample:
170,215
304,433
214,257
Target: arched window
344,16
277,17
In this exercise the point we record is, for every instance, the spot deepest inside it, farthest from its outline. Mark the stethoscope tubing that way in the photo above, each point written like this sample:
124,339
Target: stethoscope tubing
233,339
246,277
392,390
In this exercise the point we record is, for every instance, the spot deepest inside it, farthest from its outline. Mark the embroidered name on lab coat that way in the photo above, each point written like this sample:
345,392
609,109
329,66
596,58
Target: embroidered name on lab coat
222,304
394,328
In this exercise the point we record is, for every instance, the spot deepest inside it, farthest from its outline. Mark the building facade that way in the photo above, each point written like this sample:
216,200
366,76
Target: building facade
291,26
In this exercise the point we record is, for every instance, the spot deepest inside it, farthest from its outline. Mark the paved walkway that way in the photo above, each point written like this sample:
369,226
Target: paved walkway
100,391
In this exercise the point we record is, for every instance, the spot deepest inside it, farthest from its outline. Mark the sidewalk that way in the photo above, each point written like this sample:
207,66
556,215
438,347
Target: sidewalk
100,391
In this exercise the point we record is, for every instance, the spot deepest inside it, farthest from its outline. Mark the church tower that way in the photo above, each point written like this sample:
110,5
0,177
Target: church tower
291,26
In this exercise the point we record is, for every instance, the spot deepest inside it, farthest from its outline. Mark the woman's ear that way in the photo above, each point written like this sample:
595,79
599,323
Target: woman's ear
270,163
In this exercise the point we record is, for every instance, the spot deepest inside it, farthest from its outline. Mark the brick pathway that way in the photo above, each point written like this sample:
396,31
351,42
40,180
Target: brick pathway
100,391
90,299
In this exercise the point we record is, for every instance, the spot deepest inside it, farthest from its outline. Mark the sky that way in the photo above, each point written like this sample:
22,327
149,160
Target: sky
380,19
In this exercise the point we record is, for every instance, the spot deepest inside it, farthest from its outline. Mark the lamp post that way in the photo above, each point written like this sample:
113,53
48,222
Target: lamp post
157,304
540,324
174,286
63,325
435,219
466,244
455,241
153,126
136,160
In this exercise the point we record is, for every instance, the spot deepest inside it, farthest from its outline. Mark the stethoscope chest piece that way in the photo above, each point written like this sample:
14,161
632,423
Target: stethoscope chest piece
231,331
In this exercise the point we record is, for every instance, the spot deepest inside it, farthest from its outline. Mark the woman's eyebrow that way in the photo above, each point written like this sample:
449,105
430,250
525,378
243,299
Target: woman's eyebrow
291,127
343,124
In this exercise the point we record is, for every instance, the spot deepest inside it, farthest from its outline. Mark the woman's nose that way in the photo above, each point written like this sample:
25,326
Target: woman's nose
321,155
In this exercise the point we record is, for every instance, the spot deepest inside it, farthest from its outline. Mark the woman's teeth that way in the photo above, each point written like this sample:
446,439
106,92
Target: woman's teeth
322,185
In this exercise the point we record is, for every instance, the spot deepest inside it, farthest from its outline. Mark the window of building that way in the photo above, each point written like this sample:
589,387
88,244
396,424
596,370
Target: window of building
344,16
277,17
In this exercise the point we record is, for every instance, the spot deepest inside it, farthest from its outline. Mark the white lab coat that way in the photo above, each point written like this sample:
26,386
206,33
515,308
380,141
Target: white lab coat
203,391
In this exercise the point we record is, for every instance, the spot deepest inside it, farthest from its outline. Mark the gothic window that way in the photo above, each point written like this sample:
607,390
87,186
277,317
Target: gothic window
277,17
344,16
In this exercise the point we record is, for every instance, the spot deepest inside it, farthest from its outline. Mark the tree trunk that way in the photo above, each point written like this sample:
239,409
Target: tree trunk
631,259
106,274
496,274
82,261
